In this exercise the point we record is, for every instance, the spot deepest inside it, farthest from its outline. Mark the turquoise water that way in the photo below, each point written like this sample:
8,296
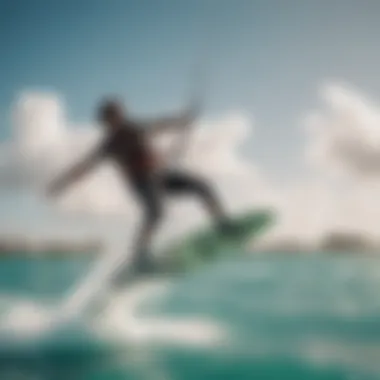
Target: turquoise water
282,317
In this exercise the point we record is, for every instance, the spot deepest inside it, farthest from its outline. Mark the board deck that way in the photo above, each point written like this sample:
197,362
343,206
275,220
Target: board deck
208,244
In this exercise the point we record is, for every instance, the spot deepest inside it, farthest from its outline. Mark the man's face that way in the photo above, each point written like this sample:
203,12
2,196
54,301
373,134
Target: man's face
114,116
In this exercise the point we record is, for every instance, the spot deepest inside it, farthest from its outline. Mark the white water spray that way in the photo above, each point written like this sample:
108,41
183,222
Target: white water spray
95,283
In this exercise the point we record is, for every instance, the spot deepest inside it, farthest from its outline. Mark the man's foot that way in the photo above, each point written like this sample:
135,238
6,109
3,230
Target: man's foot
142,266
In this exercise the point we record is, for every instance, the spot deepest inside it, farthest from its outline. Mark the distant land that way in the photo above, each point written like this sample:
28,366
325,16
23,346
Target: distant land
15,245
336,241
341,241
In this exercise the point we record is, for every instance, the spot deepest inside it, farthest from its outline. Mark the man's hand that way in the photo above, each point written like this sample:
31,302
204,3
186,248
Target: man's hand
174,123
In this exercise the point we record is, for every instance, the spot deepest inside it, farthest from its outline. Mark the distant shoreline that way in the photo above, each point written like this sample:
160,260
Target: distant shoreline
336,242
48,248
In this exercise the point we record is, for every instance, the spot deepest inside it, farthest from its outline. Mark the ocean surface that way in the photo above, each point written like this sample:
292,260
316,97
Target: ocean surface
277,316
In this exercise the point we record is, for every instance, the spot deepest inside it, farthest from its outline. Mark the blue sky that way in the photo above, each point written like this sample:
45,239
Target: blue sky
267,58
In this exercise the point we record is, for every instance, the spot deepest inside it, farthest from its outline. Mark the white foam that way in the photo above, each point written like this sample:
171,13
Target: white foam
25,319
95,284
122,322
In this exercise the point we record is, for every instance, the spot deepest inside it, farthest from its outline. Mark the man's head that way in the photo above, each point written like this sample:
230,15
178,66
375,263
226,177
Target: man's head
112,113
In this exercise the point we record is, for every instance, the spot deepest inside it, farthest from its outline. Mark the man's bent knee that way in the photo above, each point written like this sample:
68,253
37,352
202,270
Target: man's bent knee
203,189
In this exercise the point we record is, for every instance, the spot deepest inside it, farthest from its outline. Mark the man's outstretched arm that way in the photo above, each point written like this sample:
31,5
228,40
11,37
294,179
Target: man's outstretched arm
172,123
75,173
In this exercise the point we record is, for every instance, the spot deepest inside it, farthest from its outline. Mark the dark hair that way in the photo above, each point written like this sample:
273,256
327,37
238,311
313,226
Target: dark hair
108,107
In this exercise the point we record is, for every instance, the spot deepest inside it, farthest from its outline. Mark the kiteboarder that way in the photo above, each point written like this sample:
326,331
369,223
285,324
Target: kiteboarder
128,143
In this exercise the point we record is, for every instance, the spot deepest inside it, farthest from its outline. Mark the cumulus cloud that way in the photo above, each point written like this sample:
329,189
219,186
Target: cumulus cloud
342,150
45,144
344,135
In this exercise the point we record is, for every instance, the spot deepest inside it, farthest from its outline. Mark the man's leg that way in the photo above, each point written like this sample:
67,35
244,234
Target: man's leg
150,194
183,183
150,197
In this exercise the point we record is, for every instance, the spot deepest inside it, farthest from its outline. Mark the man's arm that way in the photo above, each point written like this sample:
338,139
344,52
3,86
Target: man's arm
75,173
171,123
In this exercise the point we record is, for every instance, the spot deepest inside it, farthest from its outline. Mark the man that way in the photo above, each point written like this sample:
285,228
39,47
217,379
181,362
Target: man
127,142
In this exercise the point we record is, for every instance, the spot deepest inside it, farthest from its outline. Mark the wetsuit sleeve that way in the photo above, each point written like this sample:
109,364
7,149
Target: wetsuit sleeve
95,155
102,150
170,123
78,170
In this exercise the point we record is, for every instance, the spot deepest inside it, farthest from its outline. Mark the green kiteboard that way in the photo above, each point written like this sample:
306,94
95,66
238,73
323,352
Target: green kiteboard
207,245
202,247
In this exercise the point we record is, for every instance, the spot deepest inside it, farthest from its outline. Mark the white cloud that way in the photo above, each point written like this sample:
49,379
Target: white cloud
344,135
343,153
